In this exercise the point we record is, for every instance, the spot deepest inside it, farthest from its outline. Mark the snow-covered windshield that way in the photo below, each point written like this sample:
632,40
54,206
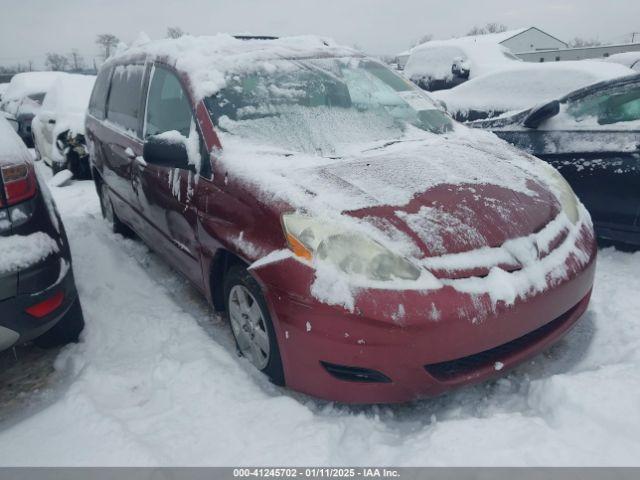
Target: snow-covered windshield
320,105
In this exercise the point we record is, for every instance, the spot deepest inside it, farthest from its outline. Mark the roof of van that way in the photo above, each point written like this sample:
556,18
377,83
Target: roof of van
208,60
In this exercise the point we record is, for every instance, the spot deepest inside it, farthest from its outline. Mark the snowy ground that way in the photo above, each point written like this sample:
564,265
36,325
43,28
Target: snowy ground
155,381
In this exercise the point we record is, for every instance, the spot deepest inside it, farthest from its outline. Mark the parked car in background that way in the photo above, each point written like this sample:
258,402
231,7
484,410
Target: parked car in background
58,127
521,86
443,64
3,88
364,247
23,98
628,59
592,136
13,122
38,298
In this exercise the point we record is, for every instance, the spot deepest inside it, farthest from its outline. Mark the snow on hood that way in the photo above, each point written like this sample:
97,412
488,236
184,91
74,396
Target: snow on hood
398,176
208,59
524,85
410,197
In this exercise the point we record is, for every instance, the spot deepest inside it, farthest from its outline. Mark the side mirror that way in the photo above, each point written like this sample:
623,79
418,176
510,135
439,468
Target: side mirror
166,153
541,113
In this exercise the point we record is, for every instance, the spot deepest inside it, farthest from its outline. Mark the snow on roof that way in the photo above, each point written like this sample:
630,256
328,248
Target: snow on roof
435,58
524,85
69,93
28,83
207,60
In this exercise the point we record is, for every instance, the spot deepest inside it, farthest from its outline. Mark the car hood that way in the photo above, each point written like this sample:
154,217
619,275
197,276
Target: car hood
428,197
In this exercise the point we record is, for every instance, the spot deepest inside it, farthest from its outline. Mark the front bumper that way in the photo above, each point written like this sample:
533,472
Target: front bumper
444,339
17,326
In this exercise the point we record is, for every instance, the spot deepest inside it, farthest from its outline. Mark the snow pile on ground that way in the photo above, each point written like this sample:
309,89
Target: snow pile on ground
155,381
525,85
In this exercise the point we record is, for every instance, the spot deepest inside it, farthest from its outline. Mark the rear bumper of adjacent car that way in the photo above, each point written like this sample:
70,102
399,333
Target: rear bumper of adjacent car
16,325
629,235
437,340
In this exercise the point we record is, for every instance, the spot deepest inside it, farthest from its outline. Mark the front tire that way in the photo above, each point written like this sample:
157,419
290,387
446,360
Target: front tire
251,323
67,330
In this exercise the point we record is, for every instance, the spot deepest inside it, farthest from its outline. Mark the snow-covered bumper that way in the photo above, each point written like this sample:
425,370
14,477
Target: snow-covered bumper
45,292
399,345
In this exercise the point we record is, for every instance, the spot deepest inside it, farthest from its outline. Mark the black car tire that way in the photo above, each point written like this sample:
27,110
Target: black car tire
56,167
109,214
79,166
67,330
237,275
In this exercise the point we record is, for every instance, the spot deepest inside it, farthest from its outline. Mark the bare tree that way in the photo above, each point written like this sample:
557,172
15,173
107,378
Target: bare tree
427,37
491,27
76,60
56,61
174,32
584,42
107,41
475,30
495,27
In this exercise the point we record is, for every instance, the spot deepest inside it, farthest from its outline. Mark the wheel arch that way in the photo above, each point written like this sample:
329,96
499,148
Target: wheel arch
222,261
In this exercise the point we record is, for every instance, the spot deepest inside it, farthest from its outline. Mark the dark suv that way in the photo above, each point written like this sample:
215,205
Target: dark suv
38,299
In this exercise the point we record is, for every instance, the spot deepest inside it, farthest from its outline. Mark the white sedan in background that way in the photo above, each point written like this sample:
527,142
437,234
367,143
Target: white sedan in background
58,128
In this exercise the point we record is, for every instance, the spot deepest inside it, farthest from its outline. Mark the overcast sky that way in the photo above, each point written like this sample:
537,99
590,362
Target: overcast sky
30,28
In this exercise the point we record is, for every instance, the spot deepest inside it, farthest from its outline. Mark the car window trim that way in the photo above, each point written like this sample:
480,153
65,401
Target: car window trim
194,118
120,128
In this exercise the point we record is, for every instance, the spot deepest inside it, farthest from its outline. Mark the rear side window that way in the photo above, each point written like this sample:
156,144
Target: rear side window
98,101
124,97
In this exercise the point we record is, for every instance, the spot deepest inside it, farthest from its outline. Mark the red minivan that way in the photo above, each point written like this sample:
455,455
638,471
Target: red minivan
364,247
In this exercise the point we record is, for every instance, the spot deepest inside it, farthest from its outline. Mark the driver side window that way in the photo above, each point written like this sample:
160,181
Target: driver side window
168,107
614,106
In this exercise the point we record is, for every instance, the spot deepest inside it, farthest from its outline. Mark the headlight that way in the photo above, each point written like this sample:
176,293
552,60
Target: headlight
567,198
351,252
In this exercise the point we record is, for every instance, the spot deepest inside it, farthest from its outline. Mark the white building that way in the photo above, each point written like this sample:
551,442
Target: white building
528,39
521,40
602,51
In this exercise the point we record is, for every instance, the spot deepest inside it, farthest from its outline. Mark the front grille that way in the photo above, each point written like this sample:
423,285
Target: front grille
465,366
355,374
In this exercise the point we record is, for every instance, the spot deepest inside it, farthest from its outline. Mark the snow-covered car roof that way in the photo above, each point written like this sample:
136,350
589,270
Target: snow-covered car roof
628,59
526,84
69,93
28,83
483,53
208,60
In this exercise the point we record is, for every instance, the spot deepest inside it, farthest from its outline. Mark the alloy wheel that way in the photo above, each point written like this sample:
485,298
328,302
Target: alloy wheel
249,326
